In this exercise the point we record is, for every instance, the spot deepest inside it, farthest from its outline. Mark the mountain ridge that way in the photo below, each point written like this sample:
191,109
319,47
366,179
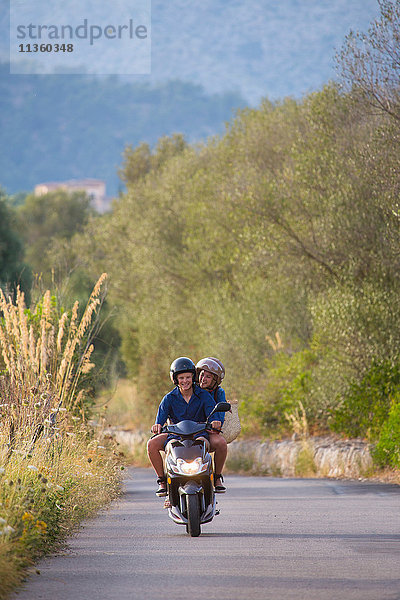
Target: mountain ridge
256,48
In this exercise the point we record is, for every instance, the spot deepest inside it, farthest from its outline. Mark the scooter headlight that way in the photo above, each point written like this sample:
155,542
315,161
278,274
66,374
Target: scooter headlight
189,468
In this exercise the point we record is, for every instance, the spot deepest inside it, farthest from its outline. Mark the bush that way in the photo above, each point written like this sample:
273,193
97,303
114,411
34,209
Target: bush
355,330
289,382
367,403
387,450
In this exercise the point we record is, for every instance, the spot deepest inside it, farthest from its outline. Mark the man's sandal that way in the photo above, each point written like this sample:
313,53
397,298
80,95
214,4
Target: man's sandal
162,490
219,487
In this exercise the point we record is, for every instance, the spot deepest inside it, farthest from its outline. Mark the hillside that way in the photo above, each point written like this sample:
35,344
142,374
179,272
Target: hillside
57,127
207,60
275,48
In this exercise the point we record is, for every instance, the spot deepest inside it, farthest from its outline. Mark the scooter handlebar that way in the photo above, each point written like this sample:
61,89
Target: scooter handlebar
164,429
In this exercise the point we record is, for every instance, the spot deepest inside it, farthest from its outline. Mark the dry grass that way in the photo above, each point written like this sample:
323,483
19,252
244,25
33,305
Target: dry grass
54,470
46,351
305,465
298,421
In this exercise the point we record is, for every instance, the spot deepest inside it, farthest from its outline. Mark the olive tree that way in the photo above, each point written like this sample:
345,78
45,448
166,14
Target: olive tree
370,62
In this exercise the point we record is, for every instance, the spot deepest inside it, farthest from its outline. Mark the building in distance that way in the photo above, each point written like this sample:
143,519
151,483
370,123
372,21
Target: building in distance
94,188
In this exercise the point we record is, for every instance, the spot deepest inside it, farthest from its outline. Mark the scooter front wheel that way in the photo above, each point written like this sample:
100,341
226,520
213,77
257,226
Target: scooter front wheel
193,515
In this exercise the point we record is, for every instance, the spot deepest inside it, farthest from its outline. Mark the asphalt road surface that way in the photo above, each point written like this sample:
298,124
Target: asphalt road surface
275,539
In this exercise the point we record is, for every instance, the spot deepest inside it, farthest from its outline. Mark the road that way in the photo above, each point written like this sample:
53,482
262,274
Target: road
275,539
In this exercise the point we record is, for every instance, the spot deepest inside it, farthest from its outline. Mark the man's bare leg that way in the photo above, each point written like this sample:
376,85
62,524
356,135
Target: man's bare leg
154,447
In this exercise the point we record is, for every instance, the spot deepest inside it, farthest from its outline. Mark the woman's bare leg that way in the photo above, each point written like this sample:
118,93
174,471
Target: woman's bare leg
220,447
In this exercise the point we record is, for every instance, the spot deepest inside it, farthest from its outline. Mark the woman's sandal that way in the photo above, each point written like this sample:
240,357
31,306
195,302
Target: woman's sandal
162,490
219,488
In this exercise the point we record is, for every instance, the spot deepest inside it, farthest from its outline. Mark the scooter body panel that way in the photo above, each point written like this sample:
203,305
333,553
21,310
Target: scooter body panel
180,485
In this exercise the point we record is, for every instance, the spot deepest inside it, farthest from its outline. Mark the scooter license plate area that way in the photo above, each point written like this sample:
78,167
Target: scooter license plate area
178,486
179,513
183,503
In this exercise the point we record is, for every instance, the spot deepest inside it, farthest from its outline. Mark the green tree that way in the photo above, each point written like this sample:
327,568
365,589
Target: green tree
48,220
139,161
387,450
289,222
13,271
370,62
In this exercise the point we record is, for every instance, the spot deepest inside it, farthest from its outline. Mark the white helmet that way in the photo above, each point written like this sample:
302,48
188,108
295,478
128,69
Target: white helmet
212,365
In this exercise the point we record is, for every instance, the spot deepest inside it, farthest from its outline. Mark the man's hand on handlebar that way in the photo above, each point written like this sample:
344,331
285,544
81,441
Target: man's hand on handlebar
156,428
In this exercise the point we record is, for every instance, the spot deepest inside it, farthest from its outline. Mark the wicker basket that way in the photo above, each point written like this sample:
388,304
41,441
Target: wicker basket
231,426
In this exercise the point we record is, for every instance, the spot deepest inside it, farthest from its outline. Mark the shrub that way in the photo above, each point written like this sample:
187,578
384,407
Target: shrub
289,382
367,403
305,465
387,450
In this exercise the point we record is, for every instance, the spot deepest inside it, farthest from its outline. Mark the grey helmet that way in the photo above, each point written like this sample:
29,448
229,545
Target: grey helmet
212,365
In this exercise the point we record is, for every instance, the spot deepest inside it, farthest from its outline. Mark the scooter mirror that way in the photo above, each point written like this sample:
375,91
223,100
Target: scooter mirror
220,407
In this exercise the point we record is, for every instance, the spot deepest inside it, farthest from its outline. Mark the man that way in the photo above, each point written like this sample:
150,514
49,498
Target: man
186,401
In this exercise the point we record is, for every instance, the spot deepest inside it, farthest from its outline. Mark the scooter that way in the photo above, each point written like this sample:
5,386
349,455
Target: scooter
190,477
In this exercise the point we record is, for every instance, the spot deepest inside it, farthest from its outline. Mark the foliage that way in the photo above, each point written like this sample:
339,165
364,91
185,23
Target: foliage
284,223
47,220
48,224
387,450
366,404
49,349
13,271
354,326
288,383
288,222
370,62
140,161
48,484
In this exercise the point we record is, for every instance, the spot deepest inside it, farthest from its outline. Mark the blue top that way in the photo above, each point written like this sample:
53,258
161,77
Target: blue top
174,407
220,396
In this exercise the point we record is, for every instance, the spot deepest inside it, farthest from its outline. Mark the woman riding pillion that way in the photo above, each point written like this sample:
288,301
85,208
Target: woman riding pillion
186,401
210,372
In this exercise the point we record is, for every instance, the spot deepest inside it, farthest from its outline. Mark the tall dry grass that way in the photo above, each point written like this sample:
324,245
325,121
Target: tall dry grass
54,469
305,465
45,351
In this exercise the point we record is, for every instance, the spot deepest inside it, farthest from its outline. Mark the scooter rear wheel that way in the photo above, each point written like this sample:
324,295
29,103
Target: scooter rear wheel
193,515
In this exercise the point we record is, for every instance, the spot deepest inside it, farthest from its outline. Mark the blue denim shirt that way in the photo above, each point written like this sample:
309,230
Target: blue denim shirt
174,407
219,396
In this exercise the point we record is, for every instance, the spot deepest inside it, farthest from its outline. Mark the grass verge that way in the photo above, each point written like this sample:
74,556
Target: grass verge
55,469
46,490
